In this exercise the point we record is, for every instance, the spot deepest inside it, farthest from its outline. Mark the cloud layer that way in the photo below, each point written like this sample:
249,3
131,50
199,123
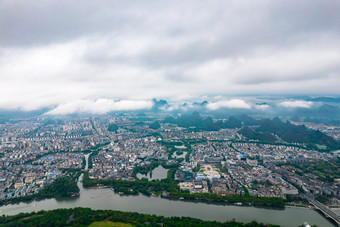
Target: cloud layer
233,103
99,106
62,53
296,104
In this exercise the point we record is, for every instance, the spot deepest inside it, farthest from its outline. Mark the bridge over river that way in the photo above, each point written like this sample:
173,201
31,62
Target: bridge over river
325,210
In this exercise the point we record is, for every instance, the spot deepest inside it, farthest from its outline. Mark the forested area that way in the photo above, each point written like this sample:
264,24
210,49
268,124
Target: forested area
61,187
86,216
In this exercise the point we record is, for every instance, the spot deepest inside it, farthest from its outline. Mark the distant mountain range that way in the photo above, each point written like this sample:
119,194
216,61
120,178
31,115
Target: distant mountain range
265,130
289,133
323,109
318,109
196,121
324,99
254,135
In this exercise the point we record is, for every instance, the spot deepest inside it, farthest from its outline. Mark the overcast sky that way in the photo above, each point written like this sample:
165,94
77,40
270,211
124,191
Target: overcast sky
71,54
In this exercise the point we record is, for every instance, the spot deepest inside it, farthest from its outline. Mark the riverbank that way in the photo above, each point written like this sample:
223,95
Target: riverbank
206,201
300,207
105,198
169,190
86,216
62,187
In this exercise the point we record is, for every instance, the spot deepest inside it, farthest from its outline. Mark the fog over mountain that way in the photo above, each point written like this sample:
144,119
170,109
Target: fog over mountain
97,57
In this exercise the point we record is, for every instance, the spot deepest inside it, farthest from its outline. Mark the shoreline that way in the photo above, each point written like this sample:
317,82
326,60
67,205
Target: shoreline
300,207
38,207
244,204
308,207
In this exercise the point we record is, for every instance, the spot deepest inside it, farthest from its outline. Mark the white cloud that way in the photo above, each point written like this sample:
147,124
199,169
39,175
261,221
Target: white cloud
233,103
100,106
296,104
262,106
115,50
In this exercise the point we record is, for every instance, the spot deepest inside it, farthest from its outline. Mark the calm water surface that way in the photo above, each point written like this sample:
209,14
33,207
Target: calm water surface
158,173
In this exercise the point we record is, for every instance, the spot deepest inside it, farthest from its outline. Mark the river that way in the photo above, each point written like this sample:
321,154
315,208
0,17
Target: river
106,199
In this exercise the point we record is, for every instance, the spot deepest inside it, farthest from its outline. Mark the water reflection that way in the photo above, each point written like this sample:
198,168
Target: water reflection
158,173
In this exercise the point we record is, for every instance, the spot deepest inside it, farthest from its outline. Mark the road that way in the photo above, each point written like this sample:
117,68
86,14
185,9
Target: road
325,210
